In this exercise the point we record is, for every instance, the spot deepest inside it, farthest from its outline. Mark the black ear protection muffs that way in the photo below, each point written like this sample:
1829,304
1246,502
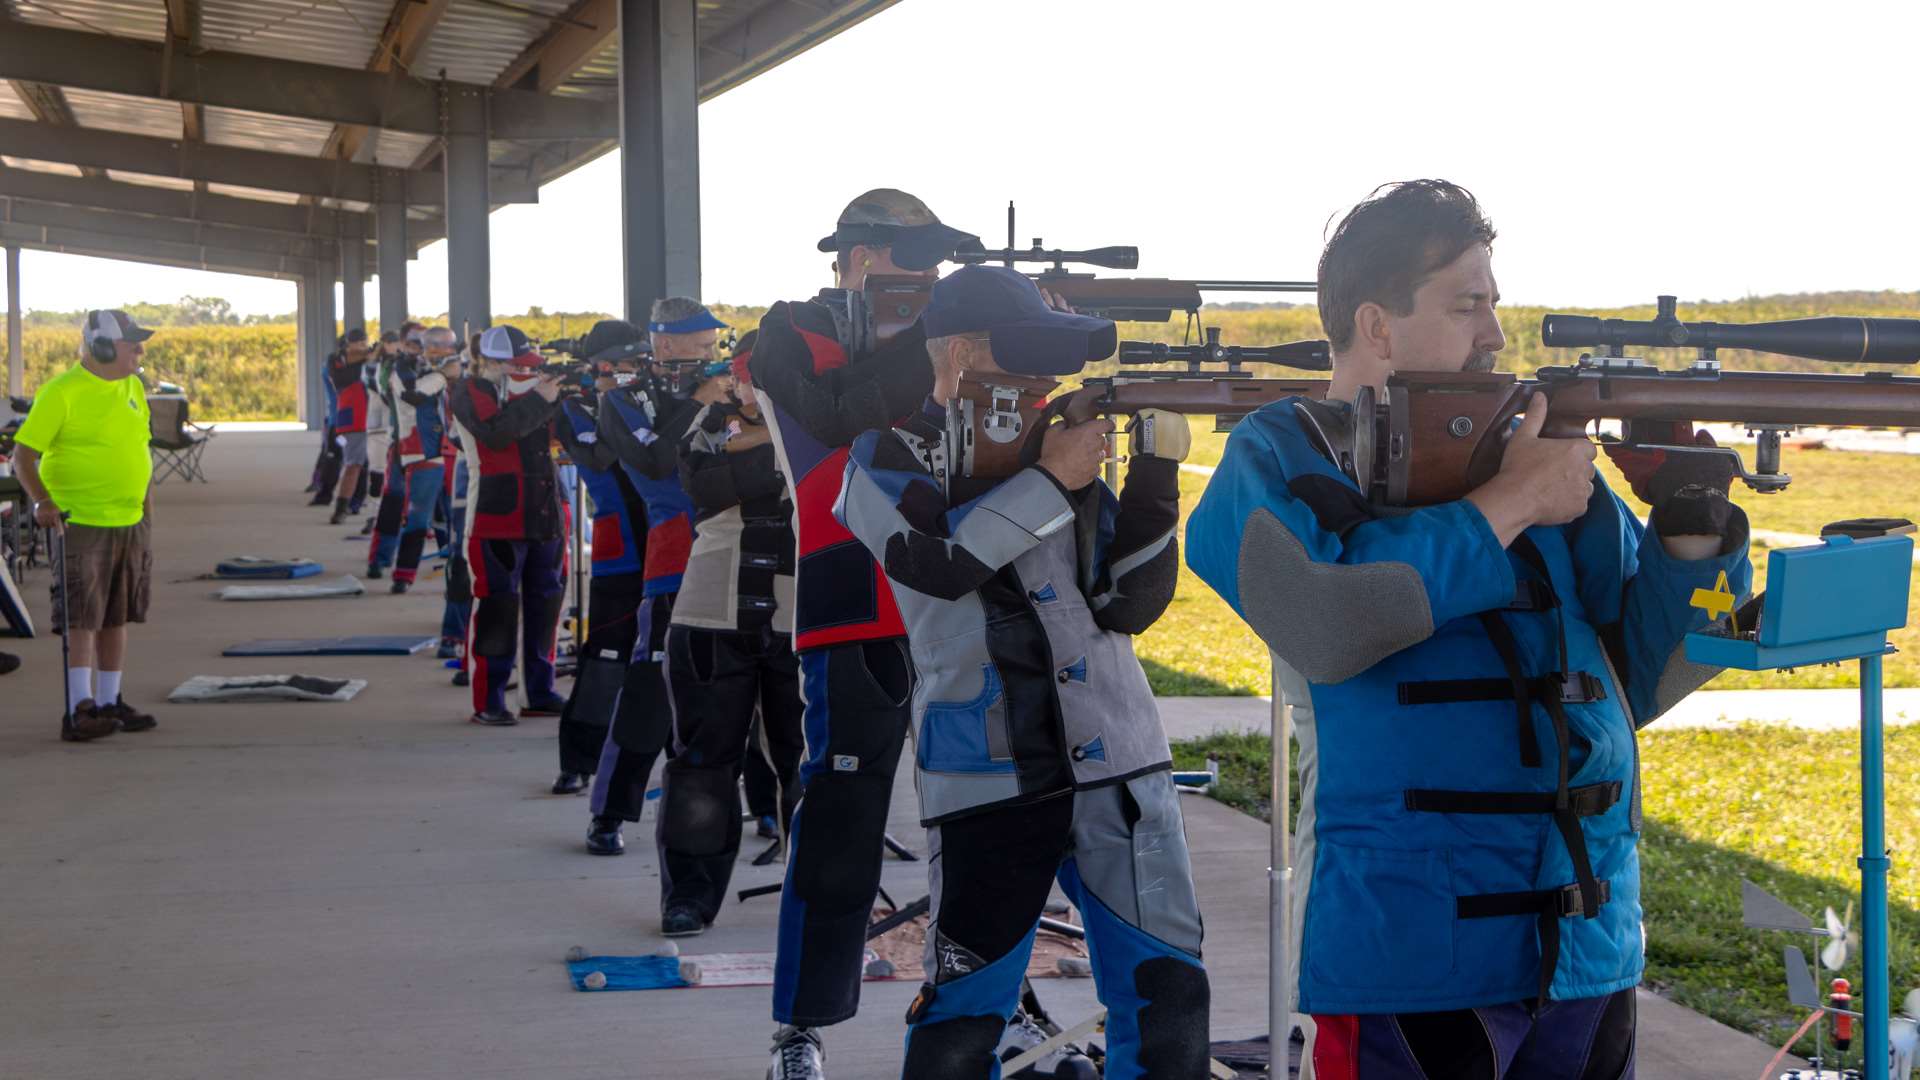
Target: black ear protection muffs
102,349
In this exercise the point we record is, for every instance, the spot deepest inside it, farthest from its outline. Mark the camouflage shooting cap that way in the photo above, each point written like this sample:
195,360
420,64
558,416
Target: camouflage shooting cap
891,218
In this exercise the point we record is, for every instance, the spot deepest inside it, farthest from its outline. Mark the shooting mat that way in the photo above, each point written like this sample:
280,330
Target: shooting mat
254,688
345,585
354,645
255,566
904,946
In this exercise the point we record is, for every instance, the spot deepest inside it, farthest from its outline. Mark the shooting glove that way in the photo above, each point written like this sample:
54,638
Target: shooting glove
1161,434
715,419
1656,475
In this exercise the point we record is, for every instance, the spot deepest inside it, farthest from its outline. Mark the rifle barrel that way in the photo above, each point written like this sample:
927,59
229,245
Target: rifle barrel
1216,285
1846,339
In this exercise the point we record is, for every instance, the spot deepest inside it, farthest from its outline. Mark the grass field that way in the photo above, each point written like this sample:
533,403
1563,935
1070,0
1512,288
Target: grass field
1200,647
1776,806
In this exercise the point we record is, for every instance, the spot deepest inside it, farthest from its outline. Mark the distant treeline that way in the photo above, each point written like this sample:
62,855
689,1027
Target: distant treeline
246,372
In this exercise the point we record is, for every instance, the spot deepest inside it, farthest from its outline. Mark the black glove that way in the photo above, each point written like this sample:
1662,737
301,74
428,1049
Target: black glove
714,420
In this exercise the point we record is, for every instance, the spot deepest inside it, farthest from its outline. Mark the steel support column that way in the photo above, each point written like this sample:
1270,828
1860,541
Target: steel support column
469,266
659,152
391,253
308,398
353,285
16,359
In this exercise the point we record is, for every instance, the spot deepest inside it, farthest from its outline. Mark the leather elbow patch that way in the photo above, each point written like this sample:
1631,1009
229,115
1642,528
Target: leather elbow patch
1329,621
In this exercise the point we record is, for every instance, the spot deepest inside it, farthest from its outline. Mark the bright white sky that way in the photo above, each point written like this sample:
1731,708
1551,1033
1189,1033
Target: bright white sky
1706,149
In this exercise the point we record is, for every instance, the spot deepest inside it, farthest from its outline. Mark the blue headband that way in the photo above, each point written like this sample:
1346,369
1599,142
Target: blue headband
702,320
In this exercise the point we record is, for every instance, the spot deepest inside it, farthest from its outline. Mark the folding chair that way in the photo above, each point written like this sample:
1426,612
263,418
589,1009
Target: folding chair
176,443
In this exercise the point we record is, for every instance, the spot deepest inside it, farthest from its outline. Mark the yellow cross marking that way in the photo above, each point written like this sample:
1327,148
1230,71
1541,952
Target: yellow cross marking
1717,601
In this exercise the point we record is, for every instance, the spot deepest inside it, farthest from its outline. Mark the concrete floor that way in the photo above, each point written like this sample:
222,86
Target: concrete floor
384,890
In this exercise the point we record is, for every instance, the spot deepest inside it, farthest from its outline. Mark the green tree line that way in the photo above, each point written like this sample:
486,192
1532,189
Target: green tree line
232,370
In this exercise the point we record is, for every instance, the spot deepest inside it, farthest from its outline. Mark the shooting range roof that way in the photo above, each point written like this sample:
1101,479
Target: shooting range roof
300,79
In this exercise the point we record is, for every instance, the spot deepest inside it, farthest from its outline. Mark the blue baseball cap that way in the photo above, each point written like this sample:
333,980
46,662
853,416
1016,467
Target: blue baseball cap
699,320
1027,336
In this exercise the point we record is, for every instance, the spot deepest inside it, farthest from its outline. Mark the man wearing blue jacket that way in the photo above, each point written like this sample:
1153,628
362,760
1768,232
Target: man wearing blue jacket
1467,680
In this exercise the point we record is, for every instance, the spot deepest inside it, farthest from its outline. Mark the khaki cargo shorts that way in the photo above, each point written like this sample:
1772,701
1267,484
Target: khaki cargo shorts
109,577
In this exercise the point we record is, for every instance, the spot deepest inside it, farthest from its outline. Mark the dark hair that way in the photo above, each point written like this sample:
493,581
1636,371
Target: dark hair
1387,246
843,255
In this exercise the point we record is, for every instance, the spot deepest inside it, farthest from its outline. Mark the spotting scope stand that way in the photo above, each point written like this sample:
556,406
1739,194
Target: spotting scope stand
1830,603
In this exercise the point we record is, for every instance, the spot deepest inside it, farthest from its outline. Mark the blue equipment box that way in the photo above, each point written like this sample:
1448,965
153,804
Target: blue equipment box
1832,601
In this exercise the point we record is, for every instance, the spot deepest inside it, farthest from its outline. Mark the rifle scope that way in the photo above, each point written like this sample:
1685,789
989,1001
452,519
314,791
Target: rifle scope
1847,339
1305,355
1113,258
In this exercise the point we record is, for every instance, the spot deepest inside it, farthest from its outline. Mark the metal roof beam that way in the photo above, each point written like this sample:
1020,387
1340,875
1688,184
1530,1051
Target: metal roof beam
570,41
226,238
234,165
210,209
394,100
408,27
103,246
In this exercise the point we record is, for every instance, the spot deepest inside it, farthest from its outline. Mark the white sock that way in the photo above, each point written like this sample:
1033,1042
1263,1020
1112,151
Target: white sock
80,684
109,687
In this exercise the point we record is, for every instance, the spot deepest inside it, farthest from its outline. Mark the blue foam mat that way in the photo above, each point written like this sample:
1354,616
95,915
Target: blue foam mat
284,569
356,645
628,972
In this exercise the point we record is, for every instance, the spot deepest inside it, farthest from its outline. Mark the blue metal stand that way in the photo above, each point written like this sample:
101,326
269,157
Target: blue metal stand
1828,603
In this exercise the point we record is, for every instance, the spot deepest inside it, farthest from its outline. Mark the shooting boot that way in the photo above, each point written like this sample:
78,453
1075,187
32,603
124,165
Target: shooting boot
570,783
86,724
682,920
797,1055
339,512
494,719
551,705
604,838
1063,1062
129,718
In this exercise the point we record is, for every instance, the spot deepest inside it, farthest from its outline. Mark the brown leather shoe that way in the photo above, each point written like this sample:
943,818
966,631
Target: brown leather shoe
129,718
87,723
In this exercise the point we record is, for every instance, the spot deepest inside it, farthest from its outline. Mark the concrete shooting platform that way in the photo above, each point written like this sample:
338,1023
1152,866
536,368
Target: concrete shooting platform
381,889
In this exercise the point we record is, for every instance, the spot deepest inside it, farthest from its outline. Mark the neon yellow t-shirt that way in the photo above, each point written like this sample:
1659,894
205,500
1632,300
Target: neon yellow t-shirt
93,435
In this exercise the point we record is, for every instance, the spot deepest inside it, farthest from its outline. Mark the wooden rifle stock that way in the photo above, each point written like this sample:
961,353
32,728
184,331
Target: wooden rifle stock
1434,437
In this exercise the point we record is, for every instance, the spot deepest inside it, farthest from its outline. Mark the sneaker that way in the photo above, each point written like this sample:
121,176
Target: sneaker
86,724
373,571
570,783
494,719
604,838
1063,1062
339,512
681,920
797,1055
129,718
449,649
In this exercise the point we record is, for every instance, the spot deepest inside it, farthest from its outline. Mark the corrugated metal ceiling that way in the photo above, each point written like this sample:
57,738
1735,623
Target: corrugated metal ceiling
172,183
10,104
31,165
121,112
475,42
263,131
337,32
